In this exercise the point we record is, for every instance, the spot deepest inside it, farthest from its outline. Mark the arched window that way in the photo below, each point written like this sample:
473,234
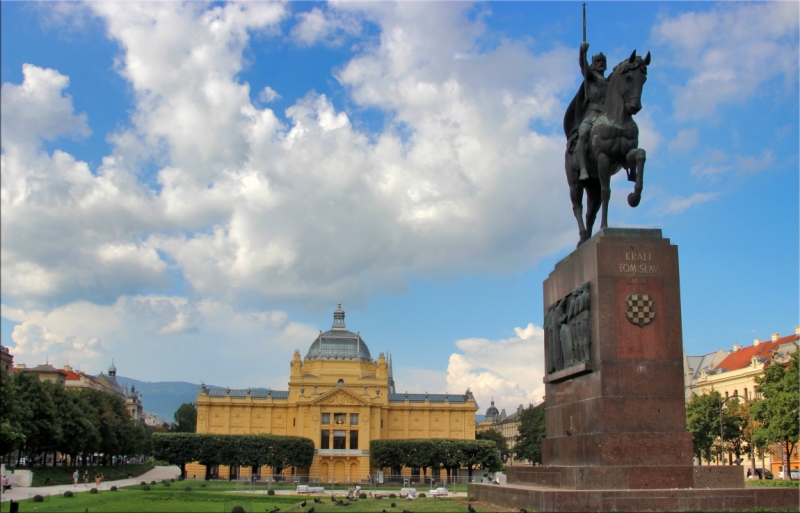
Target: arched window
340,383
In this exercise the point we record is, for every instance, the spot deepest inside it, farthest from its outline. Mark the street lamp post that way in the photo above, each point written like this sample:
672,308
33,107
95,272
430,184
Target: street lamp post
721,436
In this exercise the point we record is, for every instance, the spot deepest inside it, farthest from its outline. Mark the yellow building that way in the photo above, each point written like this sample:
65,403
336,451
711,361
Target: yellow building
734,374
341,398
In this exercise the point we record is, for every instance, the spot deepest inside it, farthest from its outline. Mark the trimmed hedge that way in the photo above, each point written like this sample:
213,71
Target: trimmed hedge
68,494
270,492
146,488
93,490
187,489
38,498
113,489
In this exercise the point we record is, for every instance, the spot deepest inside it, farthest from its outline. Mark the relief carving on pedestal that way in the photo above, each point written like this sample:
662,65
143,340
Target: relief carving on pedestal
568,331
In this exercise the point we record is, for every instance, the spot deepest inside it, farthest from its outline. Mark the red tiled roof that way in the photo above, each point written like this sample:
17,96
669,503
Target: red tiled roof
741,358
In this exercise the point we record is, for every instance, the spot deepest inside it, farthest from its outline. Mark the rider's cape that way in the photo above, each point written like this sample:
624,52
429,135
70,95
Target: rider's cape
576,112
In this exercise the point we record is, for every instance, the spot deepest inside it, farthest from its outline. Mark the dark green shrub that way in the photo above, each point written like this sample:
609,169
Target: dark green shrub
270,492
392,496
153,482
237,509
187,489
143,483
203,485
362,495
166,484
38,498
162,481
67,494
172,480
93,490
113,489
422,495
146,488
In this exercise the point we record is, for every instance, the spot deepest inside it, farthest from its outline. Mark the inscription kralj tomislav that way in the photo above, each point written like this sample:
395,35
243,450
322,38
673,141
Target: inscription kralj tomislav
568,331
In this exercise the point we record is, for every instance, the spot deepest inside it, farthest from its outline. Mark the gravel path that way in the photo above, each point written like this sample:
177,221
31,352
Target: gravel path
19,493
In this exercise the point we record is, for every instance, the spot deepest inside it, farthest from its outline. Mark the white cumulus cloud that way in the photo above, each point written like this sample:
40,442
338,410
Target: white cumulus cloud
509,370
730,51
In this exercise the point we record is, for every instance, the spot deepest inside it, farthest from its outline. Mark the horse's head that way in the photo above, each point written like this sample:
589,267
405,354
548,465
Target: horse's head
628,79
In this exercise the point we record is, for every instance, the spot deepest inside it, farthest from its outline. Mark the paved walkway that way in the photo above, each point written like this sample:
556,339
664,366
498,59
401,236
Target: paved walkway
19,493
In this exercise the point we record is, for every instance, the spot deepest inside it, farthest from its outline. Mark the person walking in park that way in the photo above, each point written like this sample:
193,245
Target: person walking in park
75,476
85,478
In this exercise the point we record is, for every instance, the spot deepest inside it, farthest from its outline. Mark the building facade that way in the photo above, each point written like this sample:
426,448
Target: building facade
506,425
70,378
339,397
6,360
734,373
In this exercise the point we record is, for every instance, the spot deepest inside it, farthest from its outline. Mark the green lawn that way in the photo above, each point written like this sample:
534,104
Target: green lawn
779,483
174,499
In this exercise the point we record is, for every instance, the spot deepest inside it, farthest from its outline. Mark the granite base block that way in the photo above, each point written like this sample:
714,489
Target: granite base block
625,477
556,500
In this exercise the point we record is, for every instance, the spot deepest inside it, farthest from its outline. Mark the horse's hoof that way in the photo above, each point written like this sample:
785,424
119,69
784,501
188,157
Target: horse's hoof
634,199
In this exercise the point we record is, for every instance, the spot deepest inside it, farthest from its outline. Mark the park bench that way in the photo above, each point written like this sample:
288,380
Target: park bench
438,492
408,493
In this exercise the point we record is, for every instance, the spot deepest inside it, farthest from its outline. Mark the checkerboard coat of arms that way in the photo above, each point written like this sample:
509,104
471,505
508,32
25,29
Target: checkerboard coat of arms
640,309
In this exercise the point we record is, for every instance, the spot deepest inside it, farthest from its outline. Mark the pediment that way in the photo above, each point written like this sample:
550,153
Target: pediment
340,397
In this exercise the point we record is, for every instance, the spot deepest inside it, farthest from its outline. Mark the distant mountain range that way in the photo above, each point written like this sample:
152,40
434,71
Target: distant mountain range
163,397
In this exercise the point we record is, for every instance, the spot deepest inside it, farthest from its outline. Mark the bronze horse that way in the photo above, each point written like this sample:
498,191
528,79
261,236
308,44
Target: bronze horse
614,144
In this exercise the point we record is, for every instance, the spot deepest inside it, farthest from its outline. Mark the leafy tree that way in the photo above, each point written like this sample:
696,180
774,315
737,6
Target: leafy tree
499,440
702,421
475,454
446,454
74,425
420,453
779,413
39,422
387,453
185,418
176,448
528,446
11,435
290,451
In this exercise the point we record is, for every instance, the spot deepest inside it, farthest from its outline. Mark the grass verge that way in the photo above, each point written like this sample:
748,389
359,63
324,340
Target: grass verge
168,500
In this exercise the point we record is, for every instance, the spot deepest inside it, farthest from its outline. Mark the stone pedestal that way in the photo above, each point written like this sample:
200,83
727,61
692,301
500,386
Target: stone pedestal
616,418
618,421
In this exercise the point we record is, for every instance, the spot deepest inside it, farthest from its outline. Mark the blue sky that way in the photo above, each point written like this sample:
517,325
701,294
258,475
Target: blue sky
191,188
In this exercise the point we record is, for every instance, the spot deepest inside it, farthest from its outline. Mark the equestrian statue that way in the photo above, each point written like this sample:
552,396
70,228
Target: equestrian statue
602,136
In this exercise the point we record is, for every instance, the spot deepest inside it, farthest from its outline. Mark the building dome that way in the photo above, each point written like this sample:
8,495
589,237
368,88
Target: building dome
338,343
491,411
112,371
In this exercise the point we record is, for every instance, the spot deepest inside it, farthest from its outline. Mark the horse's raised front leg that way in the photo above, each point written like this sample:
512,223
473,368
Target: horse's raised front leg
604,173
636,159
